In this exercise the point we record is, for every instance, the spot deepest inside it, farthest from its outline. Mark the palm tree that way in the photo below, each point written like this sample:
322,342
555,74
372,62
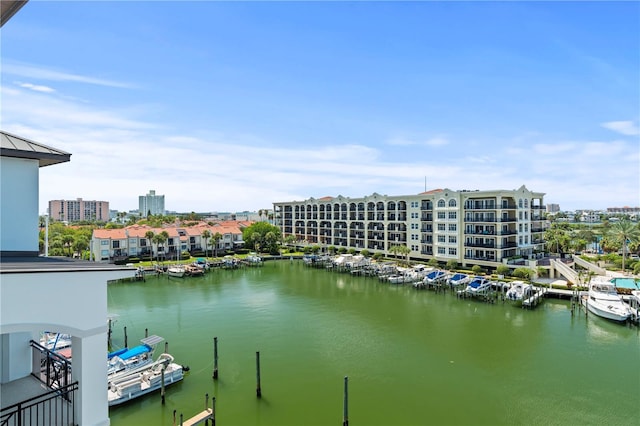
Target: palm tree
206,234
165,237
149,236
623,233
67,241
158,239
260,214
215,240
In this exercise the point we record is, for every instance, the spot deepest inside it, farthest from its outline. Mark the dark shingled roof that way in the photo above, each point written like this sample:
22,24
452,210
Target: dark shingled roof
17,147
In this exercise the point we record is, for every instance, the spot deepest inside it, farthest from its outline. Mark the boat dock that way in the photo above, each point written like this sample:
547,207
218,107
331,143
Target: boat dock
203,416
538,294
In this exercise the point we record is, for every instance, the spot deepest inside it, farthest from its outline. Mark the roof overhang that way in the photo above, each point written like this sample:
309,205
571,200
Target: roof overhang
8,8
17,147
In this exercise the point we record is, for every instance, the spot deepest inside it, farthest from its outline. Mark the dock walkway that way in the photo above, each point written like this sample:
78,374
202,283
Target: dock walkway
203,416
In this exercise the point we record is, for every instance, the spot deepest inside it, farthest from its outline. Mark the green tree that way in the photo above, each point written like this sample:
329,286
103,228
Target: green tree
477,269
255,236
206,234
623,233
215,239
557,238
80,244
149,235
503,270
290,239
524,273
67,242
452,264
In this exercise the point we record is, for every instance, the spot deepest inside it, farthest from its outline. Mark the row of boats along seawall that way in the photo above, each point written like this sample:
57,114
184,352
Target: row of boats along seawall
602,297
200,266
131,372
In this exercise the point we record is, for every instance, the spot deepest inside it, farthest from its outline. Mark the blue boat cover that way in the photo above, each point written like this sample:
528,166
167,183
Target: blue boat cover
118,352
135,351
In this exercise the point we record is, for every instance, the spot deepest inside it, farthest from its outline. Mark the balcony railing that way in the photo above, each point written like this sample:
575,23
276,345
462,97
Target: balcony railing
56,407
50,368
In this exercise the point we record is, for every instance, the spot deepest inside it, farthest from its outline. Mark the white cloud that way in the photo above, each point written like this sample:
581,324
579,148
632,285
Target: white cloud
435,141
36,87
42,73
627,128
118,154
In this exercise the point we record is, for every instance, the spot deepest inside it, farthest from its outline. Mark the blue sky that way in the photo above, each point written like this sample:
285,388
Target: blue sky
230,106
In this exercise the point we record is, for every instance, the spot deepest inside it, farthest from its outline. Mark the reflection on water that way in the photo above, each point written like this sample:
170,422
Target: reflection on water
412,356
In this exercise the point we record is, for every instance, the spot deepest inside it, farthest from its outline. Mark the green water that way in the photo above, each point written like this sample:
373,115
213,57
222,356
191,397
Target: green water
413,357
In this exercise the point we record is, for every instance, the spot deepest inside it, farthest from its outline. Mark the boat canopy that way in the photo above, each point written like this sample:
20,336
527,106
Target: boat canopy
135,351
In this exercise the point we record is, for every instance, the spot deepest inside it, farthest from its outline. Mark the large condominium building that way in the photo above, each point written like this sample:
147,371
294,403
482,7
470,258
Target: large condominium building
151,204
470,227
79,209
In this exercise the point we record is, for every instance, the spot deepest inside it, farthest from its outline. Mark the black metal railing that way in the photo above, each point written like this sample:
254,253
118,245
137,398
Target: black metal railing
50,368
56,407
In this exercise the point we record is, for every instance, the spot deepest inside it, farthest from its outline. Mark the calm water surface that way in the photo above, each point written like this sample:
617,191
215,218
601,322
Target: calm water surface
413,357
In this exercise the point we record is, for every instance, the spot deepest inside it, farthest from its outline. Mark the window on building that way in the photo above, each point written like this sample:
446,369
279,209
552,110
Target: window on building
520,203
453,227
442,215
442,227
453,251
453,239
453,215
452,203
442,250
442,238
441,203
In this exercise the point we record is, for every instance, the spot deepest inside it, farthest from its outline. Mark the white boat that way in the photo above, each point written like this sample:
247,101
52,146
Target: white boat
519,291
126,361
634,304
144,381
176,271
459,279
435,276
55,341
478,285
603,300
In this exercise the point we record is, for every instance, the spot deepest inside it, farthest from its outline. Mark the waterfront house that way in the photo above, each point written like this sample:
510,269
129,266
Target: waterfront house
113,245
39,294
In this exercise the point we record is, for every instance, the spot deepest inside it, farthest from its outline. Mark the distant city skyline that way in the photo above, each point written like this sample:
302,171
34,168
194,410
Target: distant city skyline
232,106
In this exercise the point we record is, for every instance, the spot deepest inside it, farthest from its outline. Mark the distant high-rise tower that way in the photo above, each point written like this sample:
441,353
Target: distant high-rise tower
79,210
151,204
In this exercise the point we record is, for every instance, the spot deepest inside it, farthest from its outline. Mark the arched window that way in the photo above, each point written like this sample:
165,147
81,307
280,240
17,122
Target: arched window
452,203
526,203
441,203
520,203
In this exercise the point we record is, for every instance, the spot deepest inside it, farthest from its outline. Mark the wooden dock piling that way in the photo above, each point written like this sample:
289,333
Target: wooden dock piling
258,388
125,337
215,358
162,386
345,405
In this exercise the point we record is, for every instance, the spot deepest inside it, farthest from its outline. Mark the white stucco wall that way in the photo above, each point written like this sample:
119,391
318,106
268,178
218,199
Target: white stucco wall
19,201
16,357
73,302
68,302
